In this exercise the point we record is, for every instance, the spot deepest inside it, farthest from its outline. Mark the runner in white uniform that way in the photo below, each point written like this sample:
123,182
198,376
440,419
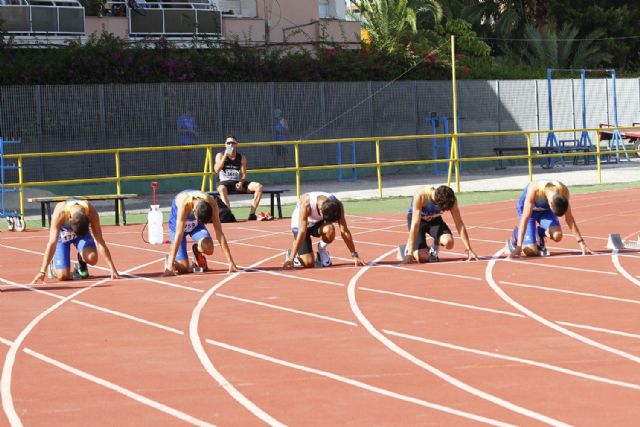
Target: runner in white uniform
314,215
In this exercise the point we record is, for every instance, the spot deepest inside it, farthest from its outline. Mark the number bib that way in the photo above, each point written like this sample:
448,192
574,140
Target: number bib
67,235
190,225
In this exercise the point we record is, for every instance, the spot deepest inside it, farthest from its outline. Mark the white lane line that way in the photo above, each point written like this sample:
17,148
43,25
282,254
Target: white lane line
351,291
598,329
95,307
564,291
439,301
616,262
7,368
118,389
358,384
501,356
196,343
100,381
421,271
530,362
290,310
333,319
502,294
135,276
560,267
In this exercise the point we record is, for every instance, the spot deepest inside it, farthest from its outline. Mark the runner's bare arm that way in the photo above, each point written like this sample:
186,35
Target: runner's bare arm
96,229
181,216
462,231
303,215
217,228
410,251
57,219
348,240
573,226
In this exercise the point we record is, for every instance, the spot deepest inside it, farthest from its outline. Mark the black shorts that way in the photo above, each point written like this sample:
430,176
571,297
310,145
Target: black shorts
436,227
231,186
307,246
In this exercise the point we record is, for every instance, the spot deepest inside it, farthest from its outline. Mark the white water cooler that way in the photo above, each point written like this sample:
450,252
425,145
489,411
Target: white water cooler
155,227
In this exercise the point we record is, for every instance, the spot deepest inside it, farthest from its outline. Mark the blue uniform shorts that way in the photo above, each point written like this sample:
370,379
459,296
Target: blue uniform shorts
198,233
62,256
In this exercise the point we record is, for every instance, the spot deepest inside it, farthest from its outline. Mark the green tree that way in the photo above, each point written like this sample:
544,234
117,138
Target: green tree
390,24
617,18
428,13
551,48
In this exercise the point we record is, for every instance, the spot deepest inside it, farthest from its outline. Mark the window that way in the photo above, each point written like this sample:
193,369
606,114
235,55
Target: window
324,8
237,7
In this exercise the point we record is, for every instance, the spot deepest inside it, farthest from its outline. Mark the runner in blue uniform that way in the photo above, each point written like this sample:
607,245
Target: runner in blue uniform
72,223
314,215
190,211
539,207
431,203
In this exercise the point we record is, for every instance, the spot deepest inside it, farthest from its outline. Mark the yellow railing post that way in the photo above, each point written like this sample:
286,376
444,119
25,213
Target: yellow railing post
378,168
212,172
296,150
454,140
206,171
21,187
599,169
118,183
529,160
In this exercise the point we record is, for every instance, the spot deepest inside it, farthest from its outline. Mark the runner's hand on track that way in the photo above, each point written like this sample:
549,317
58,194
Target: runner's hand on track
39,278
232,268
288,264
471,255
114,274
585,249
169,272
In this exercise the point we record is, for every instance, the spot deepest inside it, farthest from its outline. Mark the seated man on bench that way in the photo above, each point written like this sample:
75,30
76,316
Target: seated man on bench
231,168
72,223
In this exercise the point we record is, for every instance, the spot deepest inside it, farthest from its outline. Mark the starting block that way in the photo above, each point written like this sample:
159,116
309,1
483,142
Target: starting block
400,253
616,242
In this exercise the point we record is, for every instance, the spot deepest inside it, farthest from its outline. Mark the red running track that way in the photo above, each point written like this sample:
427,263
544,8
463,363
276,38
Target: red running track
524,342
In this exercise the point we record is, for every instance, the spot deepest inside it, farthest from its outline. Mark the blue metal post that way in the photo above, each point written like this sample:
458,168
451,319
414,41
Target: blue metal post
354,175
616,138
585,139
552,140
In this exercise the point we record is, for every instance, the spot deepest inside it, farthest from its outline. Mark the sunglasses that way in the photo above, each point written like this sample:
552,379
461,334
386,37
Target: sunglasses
230,142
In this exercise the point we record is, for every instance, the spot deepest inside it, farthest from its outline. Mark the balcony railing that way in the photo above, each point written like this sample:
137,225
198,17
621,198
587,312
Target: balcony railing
177,19
42,17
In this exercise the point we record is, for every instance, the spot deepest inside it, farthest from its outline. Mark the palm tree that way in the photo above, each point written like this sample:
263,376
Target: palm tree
428,13
388,23
549,48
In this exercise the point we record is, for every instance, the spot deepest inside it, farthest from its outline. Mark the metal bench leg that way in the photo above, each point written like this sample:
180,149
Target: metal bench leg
49,212
279,206
272,200
124,213
44,219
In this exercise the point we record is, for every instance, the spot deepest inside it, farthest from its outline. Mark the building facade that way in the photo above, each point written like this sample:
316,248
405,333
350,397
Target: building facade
248,22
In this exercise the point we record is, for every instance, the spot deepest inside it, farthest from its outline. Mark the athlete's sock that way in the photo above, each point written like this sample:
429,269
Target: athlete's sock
322,244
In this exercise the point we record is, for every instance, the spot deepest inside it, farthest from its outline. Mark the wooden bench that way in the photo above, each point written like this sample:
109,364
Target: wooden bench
45,204
275,198
545,163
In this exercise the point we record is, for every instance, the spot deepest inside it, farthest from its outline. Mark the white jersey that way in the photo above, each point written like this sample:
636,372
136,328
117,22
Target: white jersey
314,217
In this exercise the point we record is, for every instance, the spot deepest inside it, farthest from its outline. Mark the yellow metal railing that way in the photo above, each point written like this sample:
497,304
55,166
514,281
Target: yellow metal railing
208,173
